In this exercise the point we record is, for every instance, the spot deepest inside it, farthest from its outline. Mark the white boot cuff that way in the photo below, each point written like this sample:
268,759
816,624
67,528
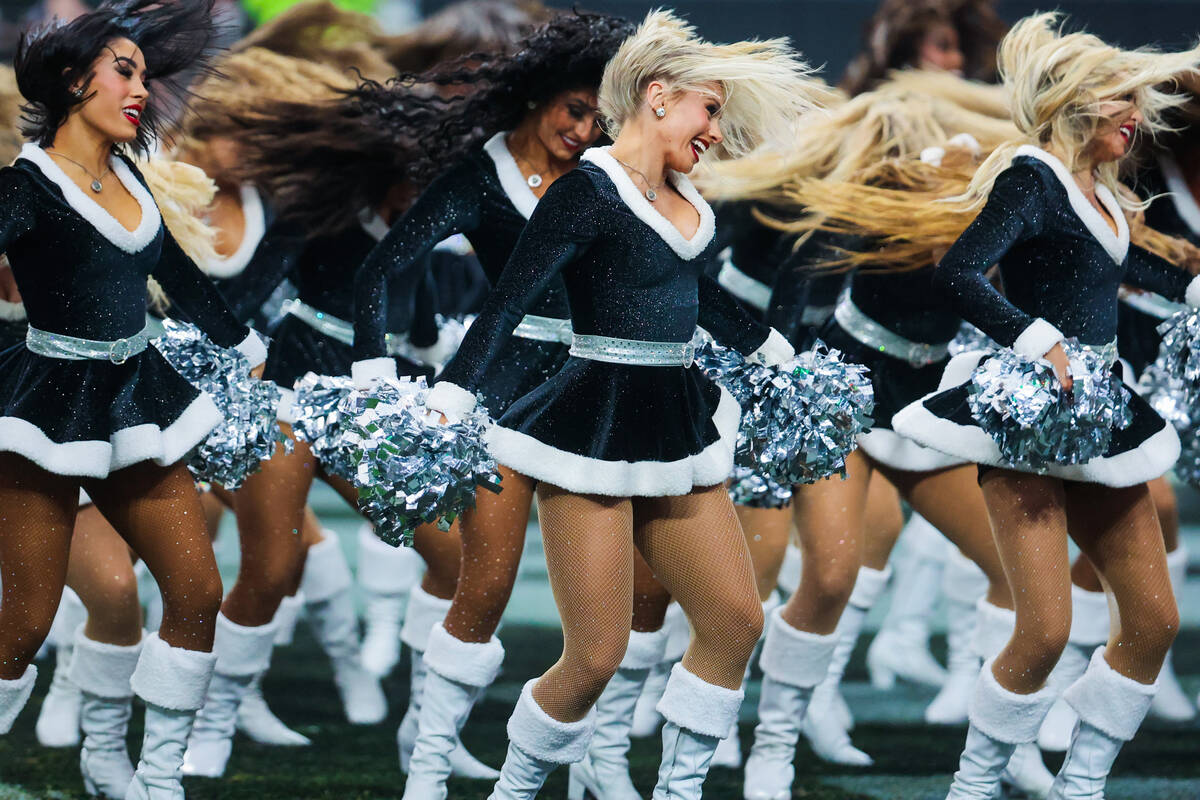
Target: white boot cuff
993,628
542,736
424,611
699,706
1007,716
472,663
795,657
103,669
326,572
1106,699
242,651
1089,618
645,649
172,677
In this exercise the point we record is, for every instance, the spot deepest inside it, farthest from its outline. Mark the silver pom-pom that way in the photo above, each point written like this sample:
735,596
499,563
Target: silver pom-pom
1034,421
971,339
1179,354
410,468
250,432
1175,401
755,490
318,421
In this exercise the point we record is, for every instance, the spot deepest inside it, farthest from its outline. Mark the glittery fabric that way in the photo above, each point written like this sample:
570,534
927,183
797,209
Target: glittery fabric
969,339
799,290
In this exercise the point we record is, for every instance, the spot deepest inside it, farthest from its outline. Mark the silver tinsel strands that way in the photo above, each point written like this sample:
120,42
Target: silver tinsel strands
750,488
971,339
1178,355
1175,401
250,432
1034,421
409,467
318,421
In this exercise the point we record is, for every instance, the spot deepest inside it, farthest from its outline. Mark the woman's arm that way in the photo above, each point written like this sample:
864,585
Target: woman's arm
1146,270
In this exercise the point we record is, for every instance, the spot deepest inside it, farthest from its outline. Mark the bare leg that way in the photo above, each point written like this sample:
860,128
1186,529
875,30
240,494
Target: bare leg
767,531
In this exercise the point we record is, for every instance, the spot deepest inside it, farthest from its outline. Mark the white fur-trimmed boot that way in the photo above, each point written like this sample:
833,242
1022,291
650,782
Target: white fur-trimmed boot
603,774
254,717
103,672
793,663
1171,703
1111,708
242,654
789,573
1000,721
58,719
457,674
964,585
173,682
1089,630
646,718
286,617
901,648
537,743
828,738
329,609
14,694
698,714
729,749
150,596
386,575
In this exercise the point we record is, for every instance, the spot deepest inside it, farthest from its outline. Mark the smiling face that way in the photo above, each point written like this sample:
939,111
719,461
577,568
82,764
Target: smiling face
567,124
940,49
1119,120
690,125
117,94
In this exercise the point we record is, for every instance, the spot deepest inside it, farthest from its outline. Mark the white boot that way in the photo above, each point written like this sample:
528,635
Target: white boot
793,662
457,675
173,682
256,719
330,612
13,696
537,743
103,672
1171,703
603,774
286,617
1111,708
901,648
964,585
386,575
242,653
1089,630
789,573
698,714
150,596
646,718
729,750
58,720
1000,721
829,740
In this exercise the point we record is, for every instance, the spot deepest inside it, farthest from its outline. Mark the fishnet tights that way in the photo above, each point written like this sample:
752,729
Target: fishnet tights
100,570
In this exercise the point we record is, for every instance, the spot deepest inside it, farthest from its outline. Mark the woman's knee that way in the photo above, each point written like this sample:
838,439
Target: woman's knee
737,626
829,584
197,595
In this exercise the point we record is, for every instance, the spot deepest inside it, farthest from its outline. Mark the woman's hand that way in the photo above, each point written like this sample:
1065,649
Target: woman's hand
258,371
1058,359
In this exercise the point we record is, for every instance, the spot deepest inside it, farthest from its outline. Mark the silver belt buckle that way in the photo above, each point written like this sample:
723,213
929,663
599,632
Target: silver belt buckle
922,355
689,353
120,351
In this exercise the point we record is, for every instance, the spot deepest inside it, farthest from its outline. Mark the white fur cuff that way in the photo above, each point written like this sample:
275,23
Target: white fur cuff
364,373
769,605
699,706
795,657
868,586
925,541
1109,701
424,612
645,649
774,351
994,626
103,669
326,572
1177,564
242,651
1192,295
1006,716
540,735
253,348
1037,340
384,569
1089,618
172,677
962,579
473,663
450,399
13,696
679,633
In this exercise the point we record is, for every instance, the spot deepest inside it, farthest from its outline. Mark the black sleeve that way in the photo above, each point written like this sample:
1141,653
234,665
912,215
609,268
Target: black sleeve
17,213
196,296
1013,213
1146,270
561,228
451,204
424,329
273,261
722,316
789,298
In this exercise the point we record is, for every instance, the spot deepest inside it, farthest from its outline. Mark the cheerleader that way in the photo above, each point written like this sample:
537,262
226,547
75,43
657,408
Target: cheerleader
628,444
85,402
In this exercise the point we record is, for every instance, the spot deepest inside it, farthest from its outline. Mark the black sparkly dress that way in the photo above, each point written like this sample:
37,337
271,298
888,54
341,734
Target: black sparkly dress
82,274
486,198
597,427
1061,266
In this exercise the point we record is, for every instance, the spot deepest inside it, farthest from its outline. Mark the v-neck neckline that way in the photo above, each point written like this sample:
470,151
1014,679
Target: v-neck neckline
253,230
512,181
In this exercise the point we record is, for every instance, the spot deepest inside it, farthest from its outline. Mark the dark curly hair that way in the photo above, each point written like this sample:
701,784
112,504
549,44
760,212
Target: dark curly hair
175,37
324,162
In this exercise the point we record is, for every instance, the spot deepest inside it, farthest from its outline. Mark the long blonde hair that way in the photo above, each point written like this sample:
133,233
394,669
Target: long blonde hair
181,192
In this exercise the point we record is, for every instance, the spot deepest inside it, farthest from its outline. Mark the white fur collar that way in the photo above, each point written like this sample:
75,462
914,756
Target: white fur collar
687,249
11,312
255,227
104,222
511,180
373,224
1181,194
1117,245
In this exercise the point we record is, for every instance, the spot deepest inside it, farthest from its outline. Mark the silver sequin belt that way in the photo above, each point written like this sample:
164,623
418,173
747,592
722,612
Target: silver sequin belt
745,288
59,345
1154,305
866,330
815,316
633,351
544,329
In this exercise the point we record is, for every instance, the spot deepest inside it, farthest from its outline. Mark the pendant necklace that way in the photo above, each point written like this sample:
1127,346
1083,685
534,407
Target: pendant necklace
96,186
651,193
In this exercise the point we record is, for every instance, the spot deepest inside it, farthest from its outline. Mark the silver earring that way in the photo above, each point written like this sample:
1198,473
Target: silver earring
660,112
78,92
531,105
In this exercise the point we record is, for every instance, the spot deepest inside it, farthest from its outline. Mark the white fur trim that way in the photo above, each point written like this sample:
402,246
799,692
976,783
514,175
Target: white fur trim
1116,245
868,586
967,142
1089,618
959,369
424,613
364,373
933,155
450,399
898,452
699,706
12,312
686,249
750,291
14,695
1192,295
994,628
473,663
103,669
254,228
253,348
540,735
1007,716
1177,565
1109,701
1037,339
384,569
1148,461
130,241
511,180
68,617
96,459
679,632
774,351
373,224
1180,192
285,410
286,617
326,572
773,601
172,677
962,580
242,651
645,649
795,657
585,475
923,540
